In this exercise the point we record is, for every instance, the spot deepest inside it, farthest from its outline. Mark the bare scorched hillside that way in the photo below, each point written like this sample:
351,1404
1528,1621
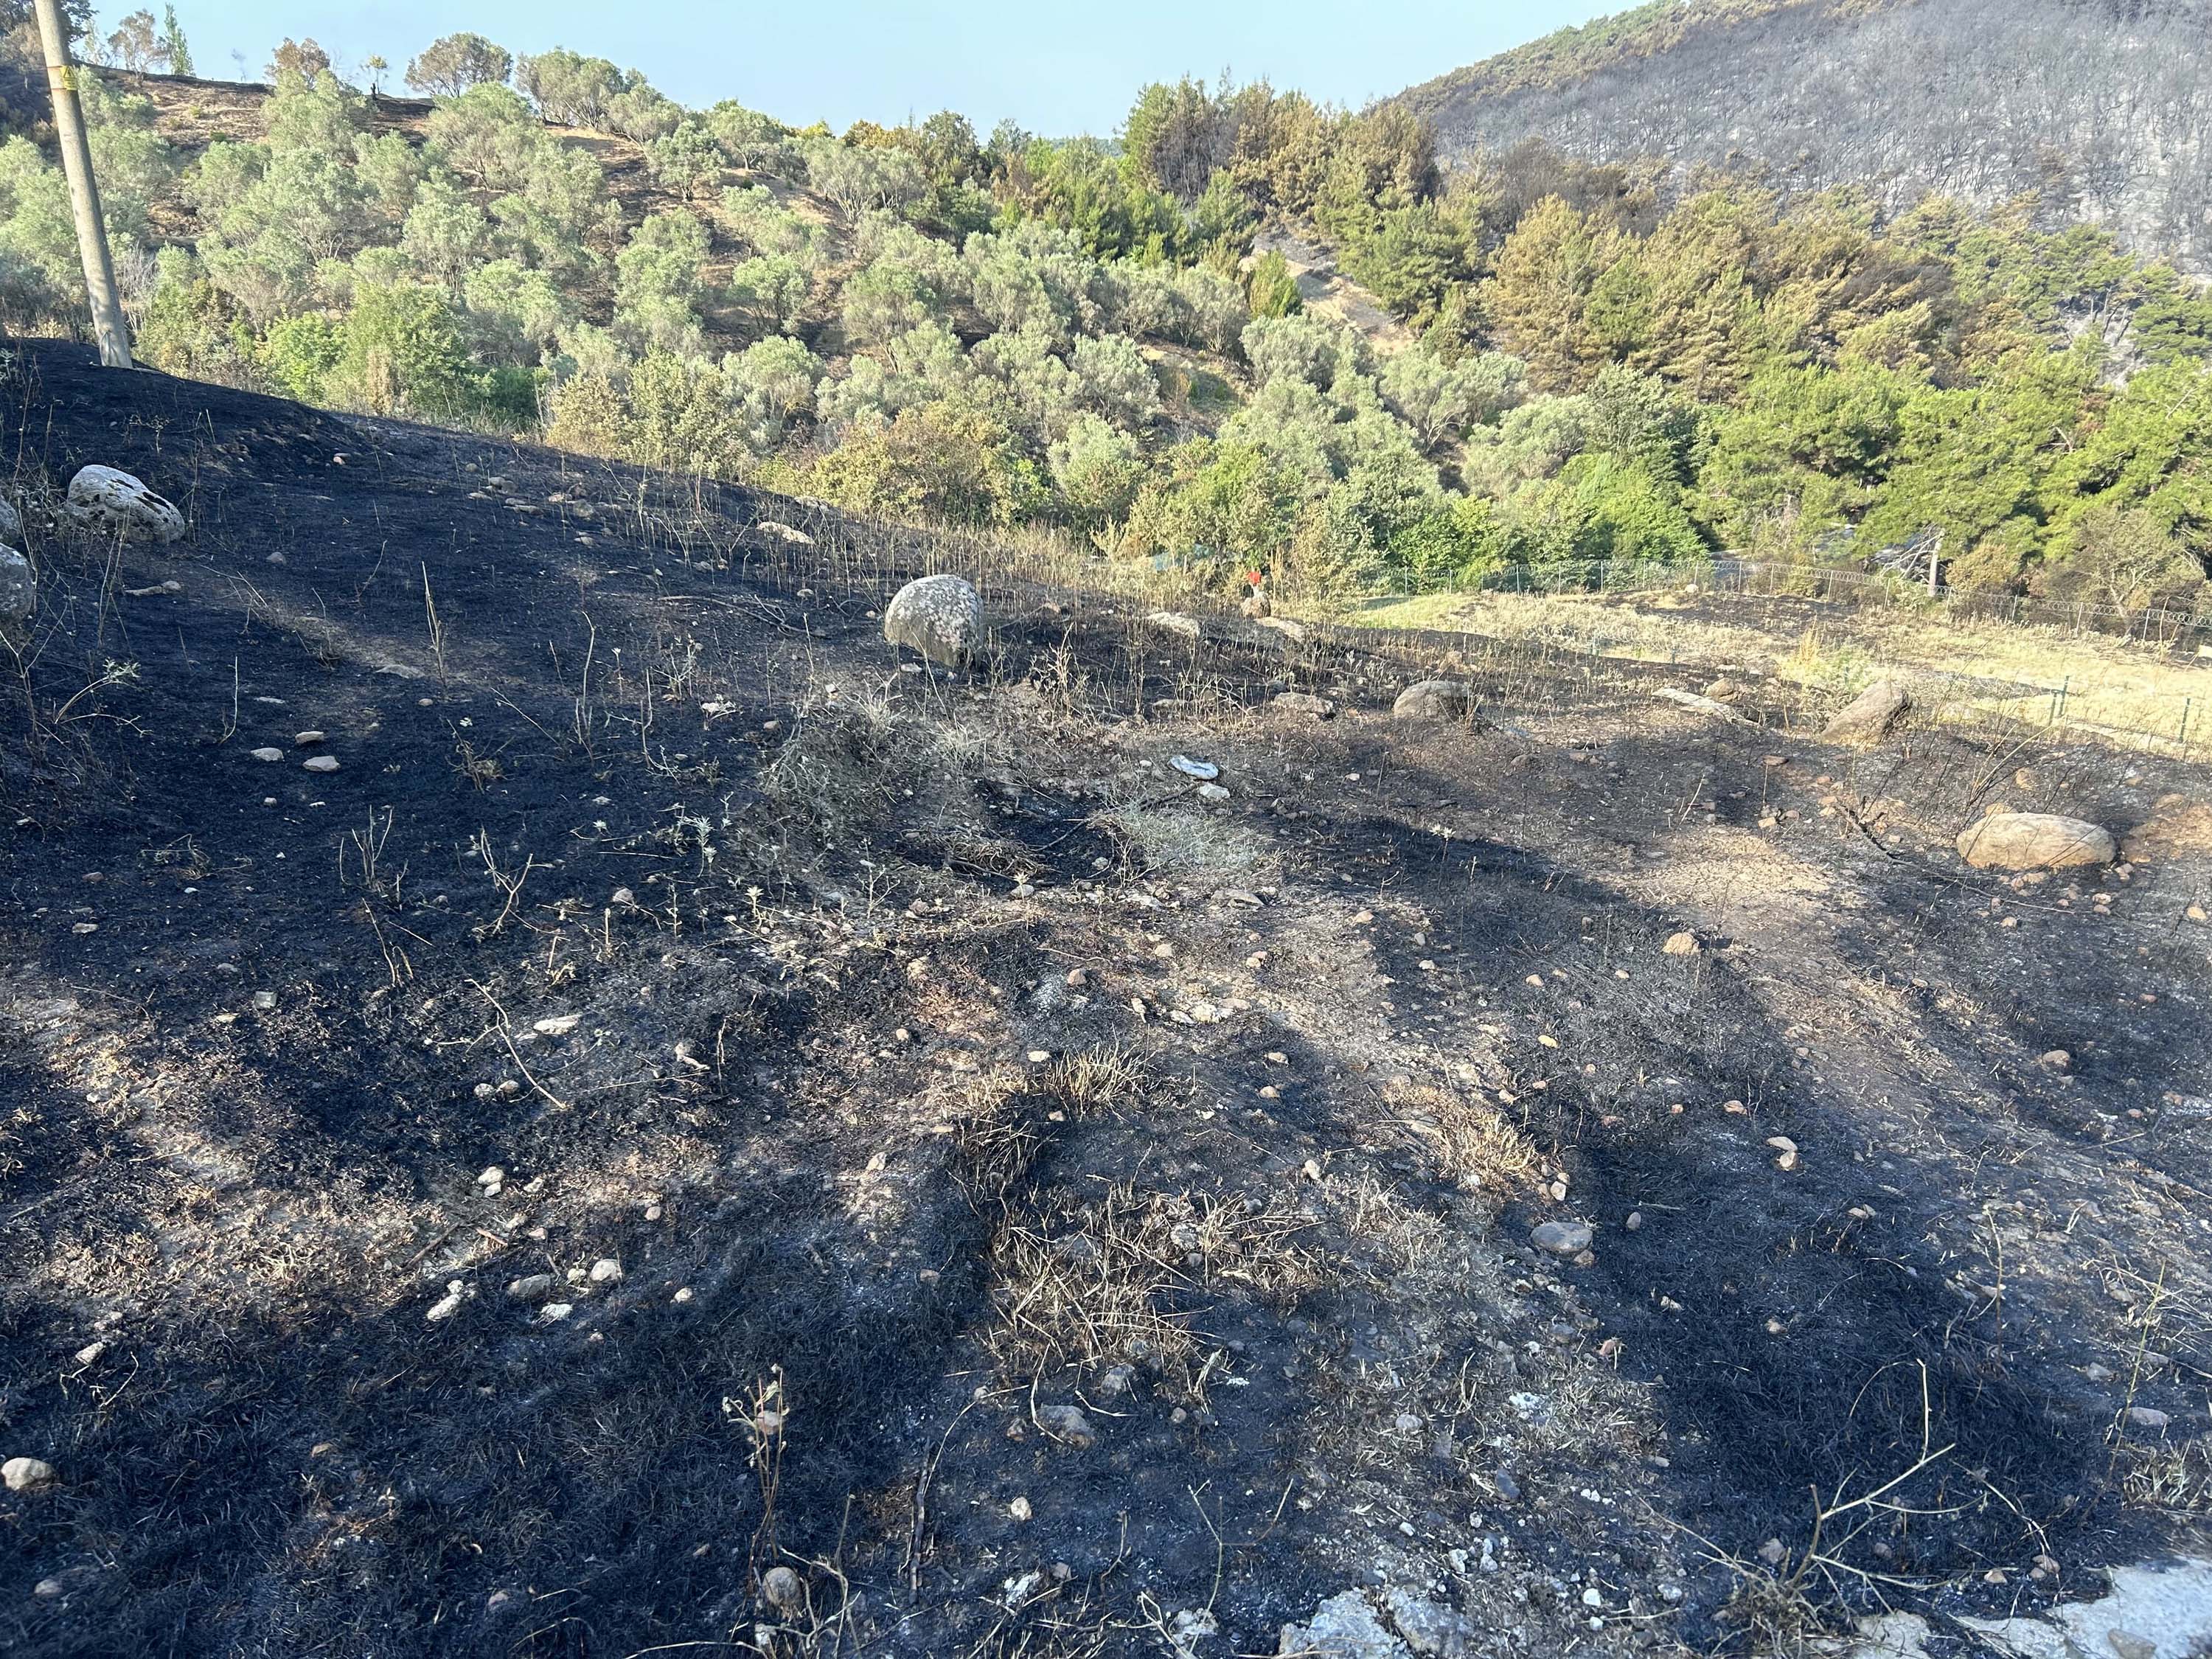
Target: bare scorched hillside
2101,106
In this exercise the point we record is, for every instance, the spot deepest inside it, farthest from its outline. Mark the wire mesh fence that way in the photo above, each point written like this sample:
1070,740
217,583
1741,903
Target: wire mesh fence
1829,584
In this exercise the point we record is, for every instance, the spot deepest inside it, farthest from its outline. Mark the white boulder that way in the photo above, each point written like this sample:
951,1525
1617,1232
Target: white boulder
940,617
106,499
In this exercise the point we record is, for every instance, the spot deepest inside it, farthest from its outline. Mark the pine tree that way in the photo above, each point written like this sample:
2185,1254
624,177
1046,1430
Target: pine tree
173,47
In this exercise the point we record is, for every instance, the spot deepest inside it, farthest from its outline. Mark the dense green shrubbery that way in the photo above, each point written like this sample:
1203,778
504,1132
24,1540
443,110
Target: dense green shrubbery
913,320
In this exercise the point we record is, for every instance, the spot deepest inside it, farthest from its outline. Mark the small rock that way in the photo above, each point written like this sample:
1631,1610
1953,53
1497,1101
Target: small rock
939,616
2058,1060
1019,1509
27,1475
1174,622
322,764
308,739
1067,1423
782,1588
446,1305
556,1024
1563,1238
1683,945
1869,715
1435,700
266,754
1212,793
19,587
1344,1626
776,530
532,1287
1304,702
264,1001
2148,1417
1772,1553
554,1312
1635,1222
606,1271
1787,1147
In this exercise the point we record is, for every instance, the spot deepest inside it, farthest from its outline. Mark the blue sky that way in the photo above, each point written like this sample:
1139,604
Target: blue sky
1056,69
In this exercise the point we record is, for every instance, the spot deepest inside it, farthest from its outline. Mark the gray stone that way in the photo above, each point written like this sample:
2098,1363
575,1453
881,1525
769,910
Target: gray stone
1870,714
777,530
1346,1626
1428,1627
939,616
532,1287
1067,1423
1304,702
1435,700
321,763
113,502
27,1475
1174,622
11,521
2034,841
19,587
1563,1238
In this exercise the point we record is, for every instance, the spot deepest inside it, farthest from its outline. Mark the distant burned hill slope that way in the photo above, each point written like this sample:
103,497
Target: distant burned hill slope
2102,106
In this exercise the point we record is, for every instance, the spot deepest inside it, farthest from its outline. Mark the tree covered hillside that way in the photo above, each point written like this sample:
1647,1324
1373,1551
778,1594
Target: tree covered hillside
932,323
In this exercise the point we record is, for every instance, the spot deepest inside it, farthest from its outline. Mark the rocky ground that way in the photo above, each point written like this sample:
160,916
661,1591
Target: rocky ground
693,1135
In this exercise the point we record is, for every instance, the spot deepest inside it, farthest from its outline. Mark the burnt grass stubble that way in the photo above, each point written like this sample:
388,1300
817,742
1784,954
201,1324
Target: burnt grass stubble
802,1037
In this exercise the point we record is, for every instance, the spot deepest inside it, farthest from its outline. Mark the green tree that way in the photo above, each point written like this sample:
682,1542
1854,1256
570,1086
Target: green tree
176,51
1539,293
449,66
1272,291
401,355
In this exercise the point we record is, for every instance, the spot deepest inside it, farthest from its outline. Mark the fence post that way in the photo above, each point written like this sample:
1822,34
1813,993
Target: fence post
2185,704
2065,691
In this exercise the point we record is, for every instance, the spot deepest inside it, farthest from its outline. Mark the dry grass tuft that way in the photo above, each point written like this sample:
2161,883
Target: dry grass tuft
1181,840
1122,1279
1473,1144
2172,1477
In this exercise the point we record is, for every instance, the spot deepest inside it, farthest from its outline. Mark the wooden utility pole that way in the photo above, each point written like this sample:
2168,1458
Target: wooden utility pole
84,192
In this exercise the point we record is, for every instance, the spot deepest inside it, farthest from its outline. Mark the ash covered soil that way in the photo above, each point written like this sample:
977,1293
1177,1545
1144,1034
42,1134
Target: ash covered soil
692,1138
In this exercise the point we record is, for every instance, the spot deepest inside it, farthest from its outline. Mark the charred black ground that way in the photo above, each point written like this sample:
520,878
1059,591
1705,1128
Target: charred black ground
1309,1064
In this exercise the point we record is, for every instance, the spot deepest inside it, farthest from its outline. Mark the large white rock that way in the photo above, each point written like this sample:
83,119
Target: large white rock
940,617
105,499
2034,841
19,588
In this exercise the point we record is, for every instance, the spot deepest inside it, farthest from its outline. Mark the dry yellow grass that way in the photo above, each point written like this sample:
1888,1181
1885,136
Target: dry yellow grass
2094,682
